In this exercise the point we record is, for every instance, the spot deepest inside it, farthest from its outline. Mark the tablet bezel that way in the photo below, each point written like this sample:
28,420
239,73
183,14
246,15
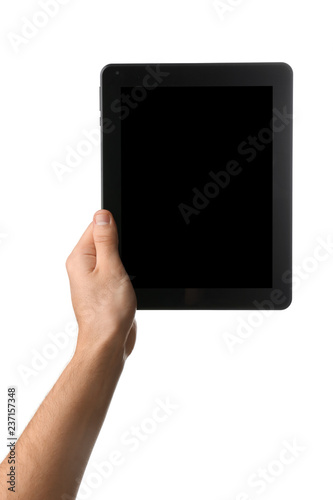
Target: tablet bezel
277,75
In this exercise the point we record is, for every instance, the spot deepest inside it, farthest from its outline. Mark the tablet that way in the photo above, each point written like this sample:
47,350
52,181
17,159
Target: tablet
196,169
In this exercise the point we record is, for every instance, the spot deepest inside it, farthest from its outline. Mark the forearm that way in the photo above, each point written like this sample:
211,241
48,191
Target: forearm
54,449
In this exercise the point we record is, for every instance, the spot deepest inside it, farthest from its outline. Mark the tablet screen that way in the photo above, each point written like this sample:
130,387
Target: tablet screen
196,187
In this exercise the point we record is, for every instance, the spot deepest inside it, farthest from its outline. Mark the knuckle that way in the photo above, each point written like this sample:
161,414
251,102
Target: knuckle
102,237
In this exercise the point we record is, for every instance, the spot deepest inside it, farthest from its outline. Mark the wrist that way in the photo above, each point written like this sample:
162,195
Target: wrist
92,344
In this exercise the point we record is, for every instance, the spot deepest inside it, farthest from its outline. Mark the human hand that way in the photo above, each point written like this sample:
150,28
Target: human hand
103,297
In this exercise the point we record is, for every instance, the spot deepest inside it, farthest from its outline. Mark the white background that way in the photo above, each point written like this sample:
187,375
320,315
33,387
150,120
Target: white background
235,409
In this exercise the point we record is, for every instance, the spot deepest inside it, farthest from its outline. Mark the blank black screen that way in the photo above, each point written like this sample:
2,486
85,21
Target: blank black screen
180,228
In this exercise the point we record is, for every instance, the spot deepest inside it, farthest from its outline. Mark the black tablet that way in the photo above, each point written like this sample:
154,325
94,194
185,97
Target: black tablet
196,169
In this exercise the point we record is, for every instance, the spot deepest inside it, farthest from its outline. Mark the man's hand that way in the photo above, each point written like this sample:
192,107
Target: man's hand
53,451
102,294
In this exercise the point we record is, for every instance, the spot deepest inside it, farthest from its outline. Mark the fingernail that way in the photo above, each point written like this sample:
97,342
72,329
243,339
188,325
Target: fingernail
102,219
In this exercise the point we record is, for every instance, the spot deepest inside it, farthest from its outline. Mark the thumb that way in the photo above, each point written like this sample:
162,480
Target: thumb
105,236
